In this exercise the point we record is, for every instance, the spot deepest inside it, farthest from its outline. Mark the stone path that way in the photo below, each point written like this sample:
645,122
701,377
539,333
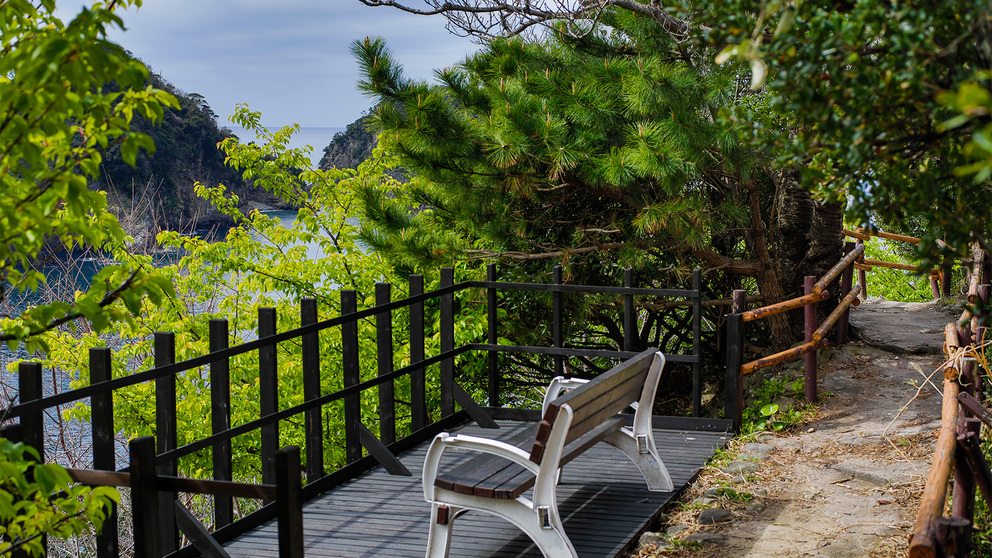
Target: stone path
846,482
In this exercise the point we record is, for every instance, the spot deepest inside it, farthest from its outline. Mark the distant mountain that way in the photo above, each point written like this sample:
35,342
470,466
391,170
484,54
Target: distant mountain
160,187
349,148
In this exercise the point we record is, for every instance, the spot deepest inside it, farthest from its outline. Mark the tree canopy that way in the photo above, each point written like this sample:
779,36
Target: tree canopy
885,106
618,142
56,120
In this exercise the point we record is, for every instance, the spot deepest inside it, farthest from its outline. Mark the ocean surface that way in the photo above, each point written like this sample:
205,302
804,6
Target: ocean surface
316,137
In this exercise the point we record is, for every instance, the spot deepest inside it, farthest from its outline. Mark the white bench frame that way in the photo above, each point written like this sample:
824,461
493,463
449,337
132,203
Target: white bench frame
539,517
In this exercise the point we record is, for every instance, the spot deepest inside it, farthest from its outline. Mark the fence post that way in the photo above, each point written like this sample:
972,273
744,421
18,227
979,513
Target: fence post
557,318
289,502
418,390
314,434
220,418
447,331
954,536
739,304
697,367
144,498
384,353
734,392
809,315
935,285
862,280
845,287
32,423
945,279
492,312
31,430
268,392
963,498
165,435
351,373
104,452
629,323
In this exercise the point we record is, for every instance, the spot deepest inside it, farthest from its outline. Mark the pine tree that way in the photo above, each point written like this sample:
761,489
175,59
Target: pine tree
619,144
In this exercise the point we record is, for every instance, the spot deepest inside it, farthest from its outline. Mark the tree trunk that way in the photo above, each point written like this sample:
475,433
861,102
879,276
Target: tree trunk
808,239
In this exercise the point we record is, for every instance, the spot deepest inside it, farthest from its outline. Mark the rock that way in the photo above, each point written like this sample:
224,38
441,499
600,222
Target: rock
757,447
785,404
676,530
713,516
764,435
660,540
704,538
703,500
740,468
755,507
754,457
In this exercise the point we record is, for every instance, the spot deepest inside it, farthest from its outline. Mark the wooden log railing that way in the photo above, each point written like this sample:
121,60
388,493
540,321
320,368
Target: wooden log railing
153,474
966,347
815,291
940,279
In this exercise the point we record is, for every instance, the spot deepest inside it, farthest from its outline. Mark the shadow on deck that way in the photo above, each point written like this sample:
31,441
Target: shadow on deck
602,497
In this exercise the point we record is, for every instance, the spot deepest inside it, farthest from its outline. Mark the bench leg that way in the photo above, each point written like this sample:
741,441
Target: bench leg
543,524
442,521
645,456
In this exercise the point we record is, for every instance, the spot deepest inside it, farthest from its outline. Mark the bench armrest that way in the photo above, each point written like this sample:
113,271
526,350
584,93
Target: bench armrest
556,387
444,441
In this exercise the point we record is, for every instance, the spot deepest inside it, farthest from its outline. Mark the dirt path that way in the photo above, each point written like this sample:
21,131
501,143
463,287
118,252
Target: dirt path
845,483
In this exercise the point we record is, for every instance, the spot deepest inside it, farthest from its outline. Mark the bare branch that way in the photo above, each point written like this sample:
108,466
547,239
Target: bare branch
500,18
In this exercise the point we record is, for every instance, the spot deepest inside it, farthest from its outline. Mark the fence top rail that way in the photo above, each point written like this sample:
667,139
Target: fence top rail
589,289
204,360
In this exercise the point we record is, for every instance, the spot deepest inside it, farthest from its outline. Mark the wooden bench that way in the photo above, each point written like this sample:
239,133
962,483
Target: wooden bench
574,421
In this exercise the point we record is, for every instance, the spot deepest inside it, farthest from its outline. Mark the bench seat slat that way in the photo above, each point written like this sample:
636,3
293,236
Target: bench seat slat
492,477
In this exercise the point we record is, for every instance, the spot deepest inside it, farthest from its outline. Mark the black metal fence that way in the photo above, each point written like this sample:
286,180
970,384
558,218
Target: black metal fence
153,471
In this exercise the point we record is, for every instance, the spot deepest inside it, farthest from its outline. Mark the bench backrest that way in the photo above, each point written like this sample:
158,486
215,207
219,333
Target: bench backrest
594,402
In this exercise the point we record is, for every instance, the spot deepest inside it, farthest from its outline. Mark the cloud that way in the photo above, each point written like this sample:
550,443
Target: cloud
289,59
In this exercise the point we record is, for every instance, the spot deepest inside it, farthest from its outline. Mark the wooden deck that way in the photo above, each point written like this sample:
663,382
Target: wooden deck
383,515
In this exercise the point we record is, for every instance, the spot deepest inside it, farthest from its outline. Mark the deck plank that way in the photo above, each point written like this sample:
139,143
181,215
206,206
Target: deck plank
383,515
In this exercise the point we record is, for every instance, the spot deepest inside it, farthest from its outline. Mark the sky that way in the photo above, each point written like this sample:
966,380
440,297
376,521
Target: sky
288,59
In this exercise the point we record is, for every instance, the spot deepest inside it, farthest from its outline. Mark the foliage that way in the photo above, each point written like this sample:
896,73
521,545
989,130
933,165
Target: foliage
50,504
887,106
262,262
186,150
894,284
765,414
56,121
615,148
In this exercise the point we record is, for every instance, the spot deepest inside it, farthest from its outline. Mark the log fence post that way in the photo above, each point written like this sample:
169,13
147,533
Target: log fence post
492,336
734,387
954,536
862,279
845,287
697,324
384,353
629,315
268,392
289,502
104,452
144,498
313,432
809,315
557,318
447,331
418,390
220,419
166,437
351,377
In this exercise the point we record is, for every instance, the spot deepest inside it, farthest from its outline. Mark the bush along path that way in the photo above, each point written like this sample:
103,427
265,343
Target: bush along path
844,479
